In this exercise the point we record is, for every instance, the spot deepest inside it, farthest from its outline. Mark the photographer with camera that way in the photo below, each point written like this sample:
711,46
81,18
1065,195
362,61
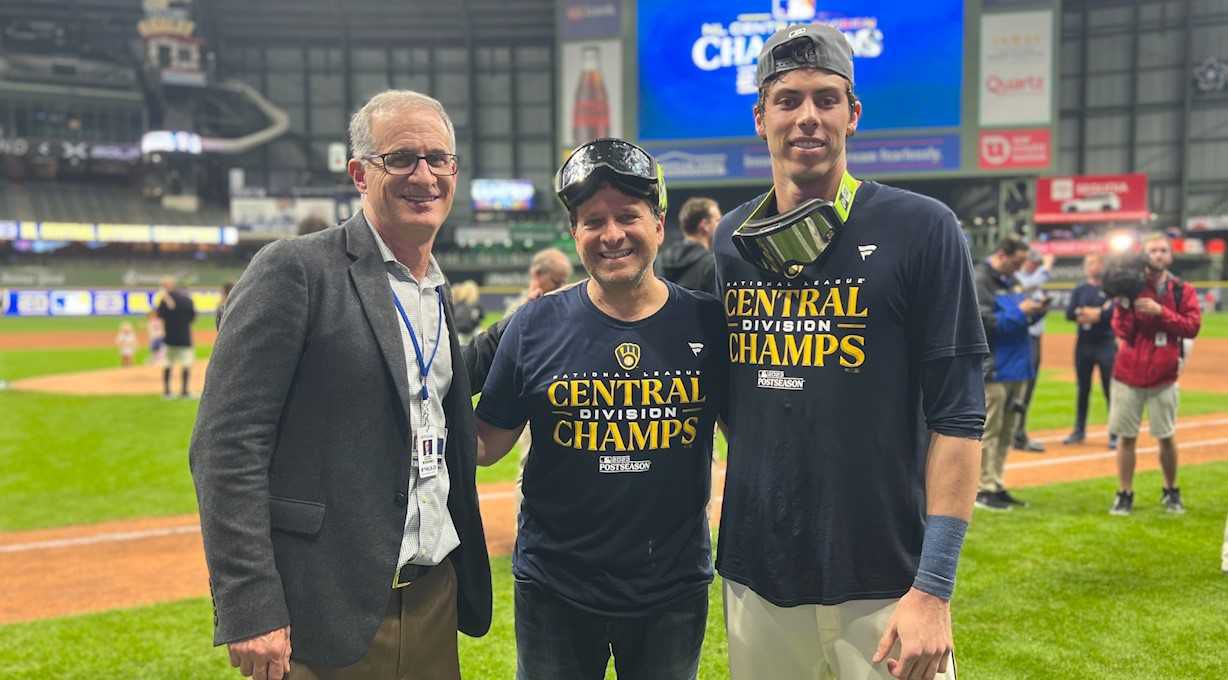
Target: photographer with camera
1151,323
1006,311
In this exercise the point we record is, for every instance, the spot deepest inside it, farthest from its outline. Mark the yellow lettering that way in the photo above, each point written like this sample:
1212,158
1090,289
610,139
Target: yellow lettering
827,345
586,436
808,306
669,430
690,430
644,436
745,300
697,396
853,311
798,350
603,393
770,350
558,433
731,302
652,393
579,393
555,400
853,346
833,302
628,388
613,437
765,302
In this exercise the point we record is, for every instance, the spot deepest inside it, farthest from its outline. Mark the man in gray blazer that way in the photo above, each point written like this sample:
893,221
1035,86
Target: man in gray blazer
334,450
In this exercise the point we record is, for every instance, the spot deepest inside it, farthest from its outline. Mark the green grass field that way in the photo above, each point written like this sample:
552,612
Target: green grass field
1213,325
1058,590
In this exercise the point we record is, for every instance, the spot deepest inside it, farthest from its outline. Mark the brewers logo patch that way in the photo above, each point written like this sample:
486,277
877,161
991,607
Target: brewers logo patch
628,355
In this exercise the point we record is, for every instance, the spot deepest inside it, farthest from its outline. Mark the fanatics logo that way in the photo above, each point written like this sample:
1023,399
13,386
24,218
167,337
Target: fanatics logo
628,355
777,380
696,347
615,464
866,251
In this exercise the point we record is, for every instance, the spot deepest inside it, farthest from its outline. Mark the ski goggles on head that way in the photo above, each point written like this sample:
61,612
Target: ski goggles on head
624,165
786,243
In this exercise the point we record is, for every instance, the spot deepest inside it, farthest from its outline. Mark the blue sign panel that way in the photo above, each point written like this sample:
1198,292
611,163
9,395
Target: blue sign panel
697,61
867,157
590,19
895,155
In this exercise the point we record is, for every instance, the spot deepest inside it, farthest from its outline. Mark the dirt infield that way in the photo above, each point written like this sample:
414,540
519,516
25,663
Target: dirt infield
1206,369
74,570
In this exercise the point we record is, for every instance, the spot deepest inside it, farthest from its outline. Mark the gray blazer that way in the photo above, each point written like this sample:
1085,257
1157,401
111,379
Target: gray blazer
300,452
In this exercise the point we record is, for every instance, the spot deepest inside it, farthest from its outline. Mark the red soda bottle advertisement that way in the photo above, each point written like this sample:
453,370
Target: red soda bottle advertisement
590,118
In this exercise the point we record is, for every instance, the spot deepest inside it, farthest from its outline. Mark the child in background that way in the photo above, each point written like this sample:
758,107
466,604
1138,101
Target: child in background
126,341
157,340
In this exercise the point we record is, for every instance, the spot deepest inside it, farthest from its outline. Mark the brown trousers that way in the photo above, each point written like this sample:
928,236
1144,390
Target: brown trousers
416,641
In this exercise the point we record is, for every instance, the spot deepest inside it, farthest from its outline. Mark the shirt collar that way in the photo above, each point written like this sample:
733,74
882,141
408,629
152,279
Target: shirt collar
434,275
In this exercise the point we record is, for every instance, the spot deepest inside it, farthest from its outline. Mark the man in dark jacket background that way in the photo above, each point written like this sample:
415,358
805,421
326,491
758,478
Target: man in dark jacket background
1152,327
1093,311
689,263
177,312
1006,312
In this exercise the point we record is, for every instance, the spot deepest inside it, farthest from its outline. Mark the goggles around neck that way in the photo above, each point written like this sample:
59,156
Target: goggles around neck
624,165
786,243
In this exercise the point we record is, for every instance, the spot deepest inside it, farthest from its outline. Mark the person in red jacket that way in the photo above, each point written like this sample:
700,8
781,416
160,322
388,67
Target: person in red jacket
1150,329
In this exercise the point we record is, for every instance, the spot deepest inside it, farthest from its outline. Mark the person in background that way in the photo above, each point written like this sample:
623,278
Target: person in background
1151,328
155,332
549,270
1036,272
468,313
1095,347
689,263
178,312
221,304
125,340
1007,312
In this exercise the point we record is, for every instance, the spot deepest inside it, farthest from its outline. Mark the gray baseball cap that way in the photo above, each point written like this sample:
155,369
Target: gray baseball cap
805,46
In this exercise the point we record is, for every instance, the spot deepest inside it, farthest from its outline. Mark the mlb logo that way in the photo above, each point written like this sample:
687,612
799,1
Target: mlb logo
793,10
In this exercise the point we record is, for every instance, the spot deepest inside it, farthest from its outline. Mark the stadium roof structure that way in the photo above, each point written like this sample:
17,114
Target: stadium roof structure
433,23
409,23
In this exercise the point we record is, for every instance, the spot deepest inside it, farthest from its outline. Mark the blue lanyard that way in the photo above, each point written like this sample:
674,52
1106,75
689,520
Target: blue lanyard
424,367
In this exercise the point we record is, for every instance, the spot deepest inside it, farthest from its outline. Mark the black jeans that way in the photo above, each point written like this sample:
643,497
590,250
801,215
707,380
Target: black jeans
1021,430
556,640
1087,357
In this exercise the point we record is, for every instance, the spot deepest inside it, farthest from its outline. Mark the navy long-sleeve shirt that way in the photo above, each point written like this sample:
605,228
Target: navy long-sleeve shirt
1091,295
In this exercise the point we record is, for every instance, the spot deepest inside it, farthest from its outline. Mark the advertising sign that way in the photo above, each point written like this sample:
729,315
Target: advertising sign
899,155
1016,149
1091,198
697,61
590,19
591,92
1016,83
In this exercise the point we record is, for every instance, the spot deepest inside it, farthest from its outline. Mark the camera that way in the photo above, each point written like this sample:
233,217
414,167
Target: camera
1125,275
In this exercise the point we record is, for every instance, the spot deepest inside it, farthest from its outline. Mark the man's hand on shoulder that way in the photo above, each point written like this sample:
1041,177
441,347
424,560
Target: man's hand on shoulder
264,657
922,624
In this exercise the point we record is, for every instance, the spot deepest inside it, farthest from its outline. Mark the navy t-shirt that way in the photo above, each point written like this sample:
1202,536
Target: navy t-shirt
825,486
617,481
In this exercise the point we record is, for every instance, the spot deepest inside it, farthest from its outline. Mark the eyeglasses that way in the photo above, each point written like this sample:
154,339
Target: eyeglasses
406,162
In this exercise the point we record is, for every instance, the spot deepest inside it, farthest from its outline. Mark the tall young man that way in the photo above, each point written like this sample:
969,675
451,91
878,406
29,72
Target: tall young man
856,396
621,378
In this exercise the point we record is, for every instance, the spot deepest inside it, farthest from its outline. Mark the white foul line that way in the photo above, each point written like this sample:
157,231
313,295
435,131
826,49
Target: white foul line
114,537
1107,454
